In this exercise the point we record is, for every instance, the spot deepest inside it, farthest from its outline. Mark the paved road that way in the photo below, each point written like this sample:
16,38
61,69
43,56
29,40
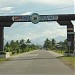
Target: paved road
35,63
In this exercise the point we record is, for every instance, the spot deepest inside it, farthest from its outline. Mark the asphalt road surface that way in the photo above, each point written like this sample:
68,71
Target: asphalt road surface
39,62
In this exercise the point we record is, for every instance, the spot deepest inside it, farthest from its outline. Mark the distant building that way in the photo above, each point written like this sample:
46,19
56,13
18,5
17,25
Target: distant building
58,45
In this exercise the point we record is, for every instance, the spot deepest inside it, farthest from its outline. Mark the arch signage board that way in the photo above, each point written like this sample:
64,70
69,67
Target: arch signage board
35,18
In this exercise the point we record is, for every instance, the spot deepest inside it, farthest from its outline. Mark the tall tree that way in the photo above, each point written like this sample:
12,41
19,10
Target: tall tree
47,43
14,46
7,45
17,42
22,41
53,42
28,41
23,47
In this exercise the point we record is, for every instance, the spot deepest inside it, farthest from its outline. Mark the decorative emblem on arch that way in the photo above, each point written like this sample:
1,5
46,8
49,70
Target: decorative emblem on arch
35,18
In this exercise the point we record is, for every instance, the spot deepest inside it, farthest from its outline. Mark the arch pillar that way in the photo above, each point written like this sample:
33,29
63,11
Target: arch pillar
1,38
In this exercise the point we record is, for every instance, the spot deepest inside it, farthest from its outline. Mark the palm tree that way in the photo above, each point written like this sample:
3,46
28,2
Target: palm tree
47,44
53,42
28,41
22,41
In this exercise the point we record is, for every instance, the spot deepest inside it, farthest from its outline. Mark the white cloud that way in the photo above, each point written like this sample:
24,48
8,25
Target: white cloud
6,8
9,2
47,32
53,2
20,36
32,5
61,32
55,32
27,13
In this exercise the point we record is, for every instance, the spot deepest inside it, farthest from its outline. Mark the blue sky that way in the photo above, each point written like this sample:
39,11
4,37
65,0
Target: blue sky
32,31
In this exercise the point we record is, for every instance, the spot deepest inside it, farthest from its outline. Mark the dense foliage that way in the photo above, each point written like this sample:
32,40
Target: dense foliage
20,46
52,45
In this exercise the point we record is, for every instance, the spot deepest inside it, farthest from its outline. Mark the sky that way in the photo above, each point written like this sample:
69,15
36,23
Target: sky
23,30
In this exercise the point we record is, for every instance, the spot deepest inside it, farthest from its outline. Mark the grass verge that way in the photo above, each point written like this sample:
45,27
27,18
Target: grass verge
4,59
70,61
58,51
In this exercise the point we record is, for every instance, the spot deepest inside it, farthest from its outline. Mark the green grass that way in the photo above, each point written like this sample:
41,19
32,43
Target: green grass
59,51
4,59
70,61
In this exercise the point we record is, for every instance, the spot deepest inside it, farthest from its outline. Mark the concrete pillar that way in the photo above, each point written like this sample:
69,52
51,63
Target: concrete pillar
1,38
74,41
70,37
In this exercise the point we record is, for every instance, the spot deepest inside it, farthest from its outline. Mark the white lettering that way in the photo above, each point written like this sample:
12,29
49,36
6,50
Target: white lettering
49,18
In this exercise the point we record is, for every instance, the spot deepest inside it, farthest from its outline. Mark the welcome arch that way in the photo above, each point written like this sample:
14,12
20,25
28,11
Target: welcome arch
62,20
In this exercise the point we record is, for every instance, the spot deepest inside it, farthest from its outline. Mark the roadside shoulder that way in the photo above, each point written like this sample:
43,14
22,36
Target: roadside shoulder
55,54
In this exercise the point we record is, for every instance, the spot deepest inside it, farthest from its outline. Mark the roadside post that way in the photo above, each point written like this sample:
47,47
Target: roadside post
69,44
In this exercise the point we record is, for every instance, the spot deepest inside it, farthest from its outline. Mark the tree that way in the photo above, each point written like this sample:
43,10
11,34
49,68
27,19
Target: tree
7,49
53,42
7,45
23,47
19,47
17,42
63,45
14,47
47,44
22,41
28,41
33,47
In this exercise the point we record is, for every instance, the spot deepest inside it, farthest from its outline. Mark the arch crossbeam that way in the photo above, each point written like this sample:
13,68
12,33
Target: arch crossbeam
43,18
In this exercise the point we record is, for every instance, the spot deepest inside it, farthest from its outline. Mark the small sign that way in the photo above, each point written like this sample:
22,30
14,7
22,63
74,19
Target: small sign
48,18
35,18
69,43
21,18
